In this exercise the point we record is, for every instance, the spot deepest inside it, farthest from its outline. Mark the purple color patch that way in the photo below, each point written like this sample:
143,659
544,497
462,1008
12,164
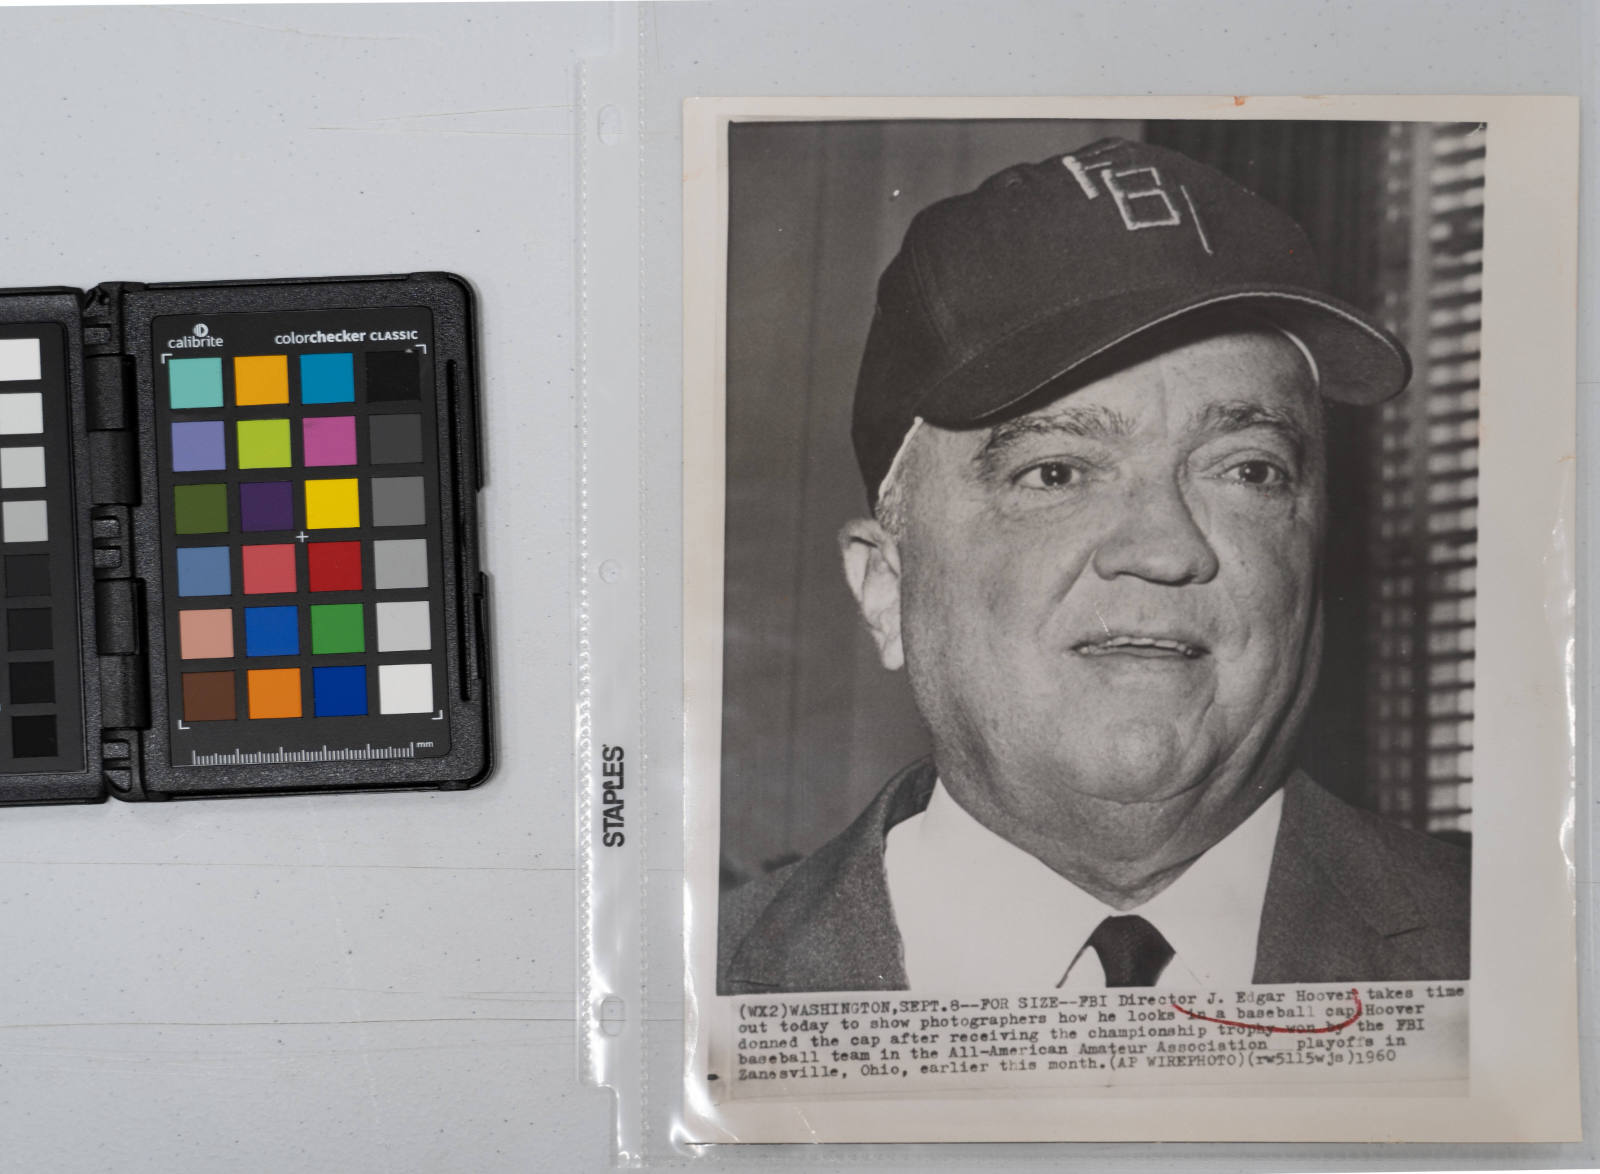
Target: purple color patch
198,444
329,440
266,505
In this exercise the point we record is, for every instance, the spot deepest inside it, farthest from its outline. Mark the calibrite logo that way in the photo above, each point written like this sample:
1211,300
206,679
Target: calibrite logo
199,336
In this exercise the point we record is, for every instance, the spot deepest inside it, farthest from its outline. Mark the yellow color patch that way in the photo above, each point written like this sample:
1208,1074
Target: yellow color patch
333,504
260,379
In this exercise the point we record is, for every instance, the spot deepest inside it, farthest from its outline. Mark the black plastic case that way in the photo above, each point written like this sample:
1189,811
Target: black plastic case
109,435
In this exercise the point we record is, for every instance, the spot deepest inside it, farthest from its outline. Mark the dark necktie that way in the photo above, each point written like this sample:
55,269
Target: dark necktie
1132,951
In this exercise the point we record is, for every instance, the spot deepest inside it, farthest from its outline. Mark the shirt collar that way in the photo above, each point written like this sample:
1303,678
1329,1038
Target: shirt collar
976,912
1211,915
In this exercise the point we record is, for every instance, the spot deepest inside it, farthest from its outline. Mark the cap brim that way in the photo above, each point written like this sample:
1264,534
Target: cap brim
1358,361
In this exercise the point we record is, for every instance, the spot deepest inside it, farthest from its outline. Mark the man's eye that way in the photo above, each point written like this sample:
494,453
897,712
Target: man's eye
1049,475
1257,473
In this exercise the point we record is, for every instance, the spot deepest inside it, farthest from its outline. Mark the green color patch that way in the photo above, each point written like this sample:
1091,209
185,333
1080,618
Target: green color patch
337,627
264,444
200,509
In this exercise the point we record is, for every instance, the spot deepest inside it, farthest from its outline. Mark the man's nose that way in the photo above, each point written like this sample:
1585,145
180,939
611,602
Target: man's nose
1155,536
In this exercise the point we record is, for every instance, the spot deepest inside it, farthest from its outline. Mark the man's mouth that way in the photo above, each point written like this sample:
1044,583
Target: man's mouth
1145,646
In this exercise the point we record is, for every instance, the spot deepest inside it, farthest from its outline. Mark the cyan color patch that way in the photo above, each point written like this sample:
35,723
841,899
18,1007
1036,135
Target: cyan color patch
327,379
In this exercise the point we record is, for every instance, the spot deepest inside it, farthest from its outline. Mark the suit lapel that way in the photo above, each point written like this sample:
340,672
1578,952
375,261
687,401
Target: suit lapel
1332,910
831,926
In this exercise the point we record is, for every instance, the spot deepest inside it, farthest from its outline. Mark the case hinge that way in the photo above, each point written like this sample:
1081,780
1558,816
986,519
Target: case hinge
119,605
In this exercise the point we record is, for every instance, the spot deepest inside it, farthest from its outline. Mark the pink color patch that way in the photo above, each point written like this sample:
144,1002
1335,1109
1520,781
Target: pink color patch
329,440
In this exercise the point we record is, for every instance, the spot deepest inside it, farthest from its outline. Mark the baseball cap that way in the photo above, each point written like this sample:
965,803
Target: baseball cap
999,292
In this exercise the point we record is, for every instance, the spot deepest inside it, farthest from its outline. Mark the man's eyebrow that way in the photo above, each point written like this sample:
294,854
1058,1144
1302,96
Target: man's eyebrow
1240,415
1087,421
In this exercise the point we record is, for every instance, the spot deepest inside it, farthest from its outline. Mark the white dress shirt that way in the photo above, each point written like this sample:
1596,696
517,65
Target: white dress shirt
977,913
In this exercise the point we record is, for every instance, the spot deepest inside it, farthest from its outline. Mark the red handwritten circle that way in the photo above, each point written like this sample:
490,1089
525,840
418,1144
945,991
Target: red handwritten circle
1354,994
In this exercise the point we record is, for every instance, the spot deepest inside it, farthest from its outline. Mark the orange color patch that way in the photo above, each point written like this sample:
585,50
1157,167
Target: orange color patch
274,692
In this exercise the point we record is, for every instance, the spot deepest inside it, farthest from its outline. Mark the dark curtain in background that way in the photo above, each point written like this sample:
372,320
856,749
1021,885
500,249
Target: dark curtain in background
812,726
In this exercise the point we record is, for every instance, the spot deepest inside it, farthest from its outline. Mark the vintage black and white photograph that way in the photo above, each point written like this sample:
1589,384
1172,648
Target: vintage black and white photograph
1099,595
1101,540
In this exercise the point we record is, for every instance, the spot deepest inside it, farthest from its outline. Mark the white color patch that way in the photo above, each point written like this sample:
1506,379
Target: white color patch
405,688
24,521
22,468
21,413
19,359
403,626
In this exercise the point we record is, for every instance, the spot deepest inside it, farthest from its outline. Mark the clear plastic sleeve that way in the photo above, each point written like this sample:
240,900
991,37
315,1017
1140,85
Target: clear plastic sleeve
1451,599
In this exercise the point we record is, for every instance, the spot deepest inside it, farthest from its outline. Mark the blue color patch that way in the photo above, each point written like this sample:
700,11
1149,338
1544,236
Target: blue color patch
271,631
203,570
198,445
327,379
339,691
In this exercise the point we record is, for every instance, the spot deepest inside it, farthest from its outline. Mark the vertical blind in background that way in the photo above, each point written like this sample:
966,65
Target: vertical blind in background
1328,176
1395,212
812,726
1425,546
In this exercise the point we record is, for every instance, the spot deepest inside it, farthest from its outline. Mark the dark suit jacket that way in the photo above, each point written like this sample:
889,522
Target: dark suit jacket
1350,898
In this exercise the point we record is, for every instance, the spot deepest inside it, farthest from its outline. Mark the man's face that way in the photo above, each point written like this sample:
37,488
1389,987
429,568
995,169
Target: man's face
1114,595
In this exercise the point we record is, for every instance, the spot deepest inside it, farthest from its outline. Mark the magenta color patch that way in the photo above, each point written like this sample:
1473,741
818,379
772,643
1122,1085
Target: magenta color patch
329,440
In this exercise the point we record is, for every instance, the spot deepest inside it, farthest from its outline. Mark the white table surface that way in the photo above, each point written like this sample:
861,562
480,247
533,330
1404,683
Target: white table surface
341,983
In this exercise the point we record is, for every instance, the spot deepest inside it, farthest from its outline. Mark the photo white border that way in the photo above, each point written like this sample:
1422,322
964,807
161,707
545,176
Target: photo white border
1523,1020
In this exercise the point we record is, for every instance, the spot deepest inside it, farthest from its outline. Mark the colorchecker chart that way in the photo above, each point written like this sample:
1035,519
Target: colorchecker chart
299,479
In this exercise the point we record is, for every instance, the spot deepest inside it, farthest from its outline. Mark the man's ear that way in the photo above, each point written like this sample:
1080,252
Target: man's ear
872,569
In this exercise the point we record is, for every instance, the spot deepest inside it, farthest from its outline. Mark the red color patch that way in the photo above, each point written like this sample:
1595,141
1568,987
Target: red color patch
334,566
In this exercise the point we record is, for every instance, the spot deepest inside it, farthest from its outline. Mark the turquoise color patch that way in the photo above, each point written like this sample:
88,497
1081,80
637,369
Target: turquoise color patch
194,383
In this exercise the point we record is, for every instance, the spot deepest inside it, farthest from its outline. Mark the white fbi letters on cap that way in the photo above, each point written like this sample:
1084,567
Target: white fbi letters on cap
1142,202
